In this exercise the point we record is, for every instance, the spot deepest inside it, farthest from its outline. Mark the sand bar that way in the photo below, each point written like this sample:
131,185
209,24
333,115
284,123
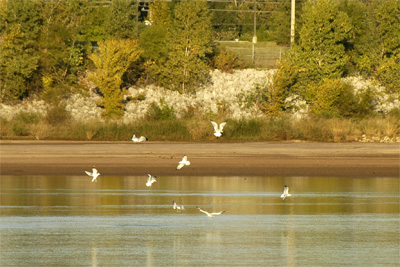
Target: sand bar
209,159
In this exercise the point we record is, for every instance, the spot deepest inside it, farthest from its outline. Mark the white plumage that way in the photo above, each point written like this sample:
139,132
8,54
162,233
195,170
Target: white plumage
218,130
183,162
210,215
151,179
138,139
94,174
285,192
177,207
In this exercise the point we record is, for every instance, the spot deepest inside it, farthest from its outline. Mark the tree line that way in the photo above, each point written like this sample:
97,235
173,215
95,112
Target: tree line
48,46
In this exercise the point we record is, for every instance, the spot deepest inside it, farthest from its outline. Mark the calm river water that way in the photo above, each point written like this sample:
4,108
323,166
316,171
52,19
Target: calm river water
118,221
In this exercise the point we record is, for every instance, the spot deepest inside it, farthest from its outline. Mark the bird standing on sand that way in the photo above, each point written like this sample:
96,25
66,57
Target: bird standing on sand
210,215
285,192
151,179
177,207
138,139
94,174
183,162
218,130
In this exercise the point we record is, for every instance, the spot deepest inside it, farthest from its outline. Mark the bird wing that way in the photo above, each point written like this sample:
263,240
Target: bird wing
221,126
203,211
184,158
217,213
88,173
286,190
133,137
215,125
142,139
149,178
180,166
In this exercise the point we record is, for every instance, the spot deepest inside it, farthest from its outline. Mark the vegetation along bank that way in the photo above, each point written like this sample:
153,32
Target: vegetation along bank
110,70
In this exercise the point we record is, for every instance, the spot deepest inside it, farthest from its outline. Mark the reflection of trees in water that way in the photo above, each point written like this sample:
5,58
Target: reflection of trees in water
114,195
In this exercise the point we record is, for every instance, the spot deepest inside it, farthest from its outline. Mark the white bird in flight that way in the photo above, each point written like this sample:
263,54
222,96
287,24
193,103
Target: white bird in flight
285,192
94,174
218,130
138,139
210,215
177,207
152,179
183,162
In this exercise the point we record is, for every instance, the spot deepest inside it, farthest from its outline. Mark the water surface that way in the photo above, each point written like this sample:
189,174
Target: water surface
118,221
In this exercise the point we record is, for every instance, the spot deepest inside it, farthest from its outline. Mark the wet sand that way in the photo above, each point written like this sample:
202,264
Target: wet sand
208,159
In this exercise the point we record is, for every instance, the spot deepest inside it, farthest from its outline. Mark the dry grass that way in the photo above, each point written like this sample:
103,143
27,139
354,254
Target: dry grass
198,128
40,130
341,129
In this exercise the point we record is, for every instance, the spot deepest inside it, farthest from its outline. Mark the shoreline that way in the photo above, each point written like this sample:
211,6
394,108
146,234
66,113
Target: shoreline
60,158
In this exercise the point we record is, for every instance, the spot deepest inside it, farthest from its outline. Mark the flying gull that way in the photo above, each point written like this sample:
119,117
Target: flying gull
218,130
152,179
285,192
94,174
183,162
210,215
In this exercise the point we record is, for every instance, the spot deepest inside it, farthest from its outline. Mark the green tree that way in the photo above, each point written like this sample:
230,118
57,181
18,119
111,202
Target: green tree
18,62
19,27
279,29
153,40
321,49
62,53
272,94
323,36
189,40
379,47
112,60
93,24
121,20
357,13
160,13
225,21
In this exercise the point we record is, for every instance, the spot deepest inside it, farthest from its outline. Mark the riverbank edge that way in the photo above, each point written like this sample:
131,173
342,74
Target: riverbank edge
66,158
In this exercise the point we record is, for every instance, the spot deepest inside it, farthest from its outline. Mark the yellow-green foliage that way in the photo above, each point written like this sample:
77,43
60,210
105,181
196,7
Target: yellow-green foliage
226,60
327,97
112,61
273,93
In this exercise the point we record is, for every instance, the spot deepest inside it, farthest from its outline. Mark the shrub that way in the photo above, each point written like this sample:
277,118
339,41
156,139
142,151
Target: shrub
388,73
22,122
57,114
226,60
272,94
331,98
243,129
160,112
164,130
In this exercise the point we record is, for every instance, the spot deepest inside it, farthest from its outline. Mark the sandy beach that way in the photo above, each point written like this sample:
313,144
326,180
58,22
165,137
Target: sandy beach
208,159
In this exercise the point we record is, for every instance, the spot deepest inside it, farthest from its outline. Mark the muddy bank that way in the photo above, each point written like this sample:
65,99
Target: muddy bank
233,159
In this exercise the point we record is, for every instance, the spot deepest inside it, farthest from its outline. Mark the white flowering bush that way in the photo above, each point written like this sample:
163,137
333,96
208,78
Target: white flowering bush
224,90
38,107
384,103
84,108
234,93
